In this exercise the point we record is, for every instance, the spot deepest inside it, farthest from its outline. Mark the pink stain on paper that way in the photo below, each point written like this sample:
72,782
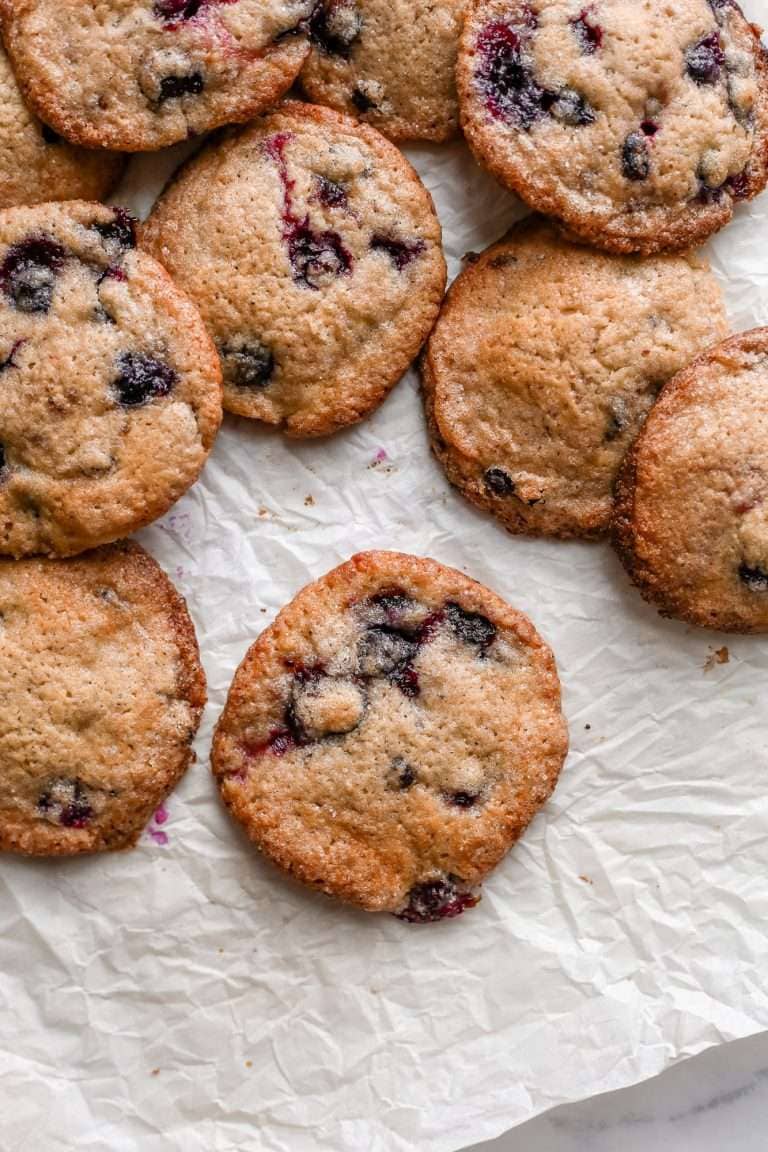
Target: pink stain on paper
380,456
157,834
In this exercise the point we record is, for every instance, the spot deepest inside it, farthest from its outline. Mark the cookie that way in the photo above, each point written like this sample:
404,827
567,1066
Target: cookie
316,265
390,62
691,516
137,75
639,123
391,735
543,365
37,165
101,693
110,389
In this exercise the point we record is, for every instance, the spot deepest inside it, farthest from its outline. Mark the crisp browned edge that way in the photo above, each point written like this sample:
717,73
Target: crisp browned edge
78,132
686,230
151,234
247,672
626,531
191,682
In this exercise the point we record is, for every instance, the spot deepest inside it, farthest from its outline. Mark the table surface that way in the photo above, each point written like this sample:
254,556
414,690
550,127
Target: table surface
709,1103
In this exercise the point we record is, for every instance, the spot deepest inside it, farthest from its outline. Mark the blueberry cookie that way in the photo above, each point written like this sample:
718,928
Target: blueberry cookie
639,123
543,365
136,75
691,516
36,164
101,693
110,392
390,62
317,264
391,735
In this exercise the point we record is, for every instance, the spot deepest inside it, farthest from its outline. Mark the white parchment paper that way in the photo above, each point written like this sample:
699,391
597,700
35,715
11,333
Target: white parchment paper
186,997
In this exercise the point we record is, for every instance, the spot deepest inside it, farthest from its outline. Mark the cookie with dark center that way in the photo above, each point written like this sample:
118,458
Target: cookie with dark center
38,165
391,734
111,387
138,77
542,94
691,516
348,247
567,348
99,662
390,64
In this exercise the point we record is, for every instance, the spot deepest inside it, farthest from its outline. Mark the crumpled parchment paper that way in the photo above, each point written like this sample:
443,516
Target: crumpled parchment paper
186,997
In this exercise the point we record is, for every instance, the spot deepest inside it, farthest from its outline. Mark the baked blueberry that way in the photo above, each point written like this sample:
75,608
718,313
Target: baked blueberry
335,25
120,231
29,271
755,578
247,364
141,379
437,900
635,157
400,252
499,482
588,31
65,802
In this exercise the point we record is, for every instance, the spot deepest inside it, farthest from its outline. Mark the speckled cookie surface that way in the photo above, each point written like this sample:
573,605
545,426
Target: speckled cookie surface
691,516
101,693
137,75
110,393
543,365
390,62
313,252
36,164
391,734
639,123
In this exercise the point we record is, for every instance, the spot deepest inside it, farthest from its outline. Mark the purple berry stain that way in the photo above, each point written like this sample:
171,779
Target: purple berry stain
436,900
314,255
176,12
329,193
589,34
400,252
28,273
10,361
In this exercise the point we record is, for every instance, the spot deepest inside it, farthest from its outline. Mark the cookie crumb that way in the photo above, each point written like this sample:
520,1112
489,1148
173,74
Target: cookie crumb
587,880
587,727
717,656
309,501
155,1072
249,1063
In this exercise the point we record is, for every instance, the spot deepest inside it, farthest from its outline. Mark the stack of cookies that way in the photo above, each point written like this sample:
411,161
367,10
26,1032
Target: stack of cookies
395,730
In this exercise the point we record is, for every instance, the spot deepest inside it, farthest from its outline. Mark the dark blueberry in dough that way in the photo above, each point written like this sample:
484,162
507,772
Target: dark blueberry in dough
507,75
738,185
406,678
400,775
436,900
394,604
66,802
49,135
315,255
704,59
589,35
400,252
471,627
381,650
756,579
361,100
247,365
462,799
635,158
172,87
334,26
2,460
141,379
649,127
331,194
569,107
499,482
120,231
618,418
9,361
28,273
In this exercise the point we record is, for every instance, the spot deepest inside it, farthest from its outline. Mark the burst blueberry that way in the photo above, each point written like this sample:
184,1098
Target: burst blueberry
635,157
400,252
499,482
471,627
705,59
141,379
436,900
28,273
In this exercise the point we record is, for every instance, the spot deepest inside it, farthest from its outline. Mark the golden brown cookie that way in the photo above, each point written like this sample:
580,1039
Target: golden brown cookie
316,264
639,123
101,693
110,389
137,75
543,364
691,516
391,735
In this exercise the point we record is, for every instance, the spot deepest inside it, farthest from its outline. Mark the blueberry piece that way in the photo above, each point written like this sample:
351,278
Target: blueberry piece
66,802
315,255
506,75
406,678
2,459
381,650
120,231
649,127
49,135
172,87
334,26
142,379
436,900
331,194
635,158
471,627
393,603
177,10
738,185
400,775
247,365
400,252
361,100
28,273
499,482
618,418
570,107
590,36
704,59
756,579
462,799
